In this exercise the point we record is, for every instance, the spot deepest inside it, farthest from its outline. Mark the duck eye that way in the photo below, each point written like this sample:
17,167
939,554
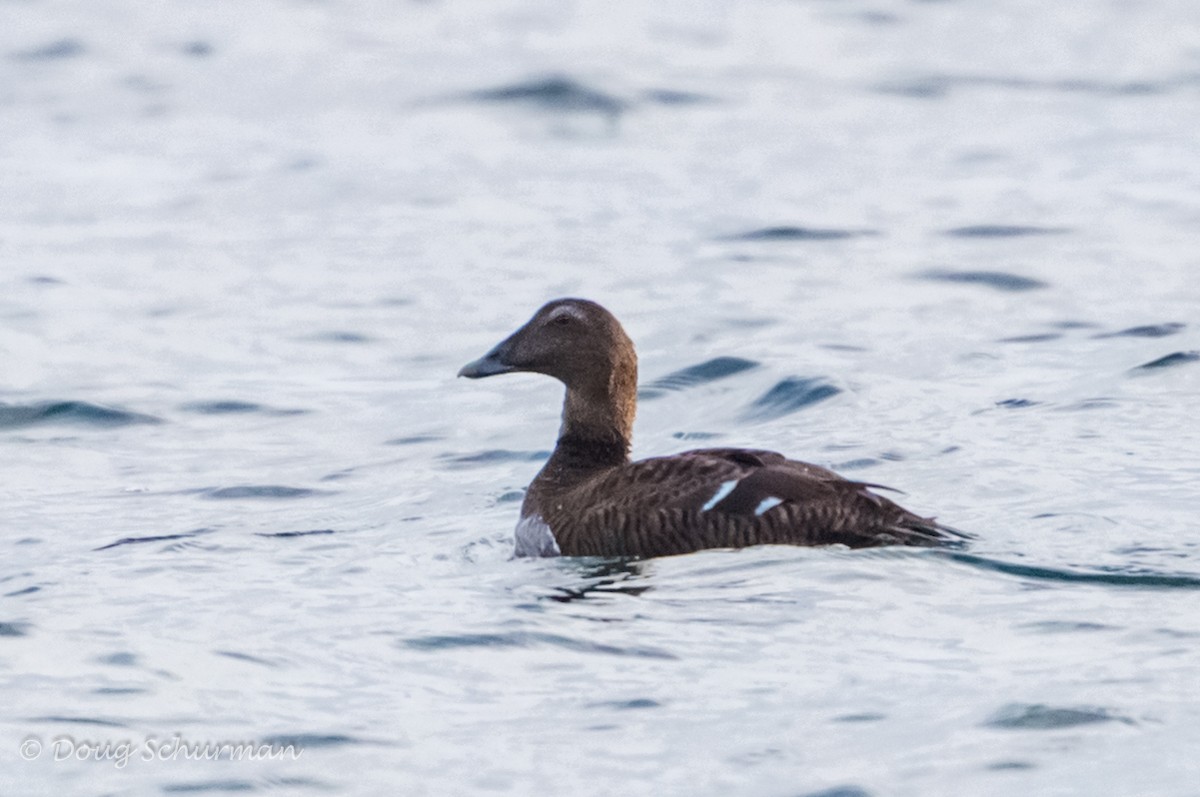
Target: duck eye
561,320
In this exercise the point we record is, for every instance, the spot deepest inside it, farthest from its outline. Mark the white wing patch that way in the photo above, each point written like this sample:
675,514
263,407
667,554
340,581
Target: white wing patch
768,503
534,538
725,489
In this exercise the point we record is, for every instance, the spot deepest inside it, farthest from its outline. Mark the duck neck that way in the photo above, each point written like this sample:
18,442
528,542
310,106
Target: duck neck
597,422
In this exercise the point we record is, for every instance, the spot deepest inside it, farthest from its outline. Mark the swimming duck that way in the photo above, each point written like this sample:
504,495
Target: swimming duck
590,499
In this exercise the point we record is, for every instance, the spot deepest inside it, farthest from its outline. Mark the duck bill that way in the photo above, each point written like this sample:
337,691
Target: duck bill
489,364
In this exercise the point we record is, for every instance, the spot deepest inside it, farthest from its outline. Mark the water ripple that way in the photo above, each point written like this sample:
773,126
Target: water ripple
938,86
675,97
627,705
121,659
234,407
259,491
1017,403
154,538
53,51
1040,717
788,396
556,93
1170,361
66,720
289,534
1002,231
1065,626
707,371
412,440
999,280
529,639
867,716
82,413
839,791
200,787
13,629
1113,578
492,456
1146,331
793,233
197,49
303,741
246,657
1042,337
339,336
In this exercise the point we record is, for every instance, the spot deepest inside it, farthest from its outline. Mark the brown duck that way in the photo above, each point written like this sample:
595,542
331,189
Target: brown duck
591,500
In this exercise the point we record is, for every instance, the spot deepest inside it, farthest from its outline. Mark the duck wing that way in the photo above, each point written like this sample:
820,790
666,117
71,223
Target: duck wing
730,498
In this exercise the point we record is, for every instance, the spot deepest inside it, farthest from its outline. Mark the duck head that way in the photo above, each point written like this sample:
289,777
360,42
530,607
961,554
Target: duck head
582,345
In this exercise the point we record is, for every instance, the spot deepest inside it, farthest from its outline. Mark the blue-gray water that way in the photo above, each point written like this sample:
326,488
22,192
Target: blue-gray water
244,247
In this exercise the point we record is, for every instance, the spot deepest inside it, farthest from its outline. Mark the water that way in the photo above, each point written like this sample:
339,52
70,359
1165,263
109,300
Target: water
942,246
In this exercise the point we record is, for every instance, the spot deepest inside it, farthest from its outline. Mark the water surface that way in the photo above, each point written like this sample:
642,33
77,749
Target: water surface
942,246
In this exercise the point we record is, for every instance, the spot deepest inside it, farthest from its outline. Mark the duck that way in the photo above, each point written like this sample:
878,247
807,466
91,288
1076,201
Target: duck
591,499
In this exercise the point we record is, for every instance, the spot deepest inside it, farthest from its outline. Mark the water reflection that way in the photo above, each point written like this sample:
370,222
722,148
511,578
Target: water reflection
603,577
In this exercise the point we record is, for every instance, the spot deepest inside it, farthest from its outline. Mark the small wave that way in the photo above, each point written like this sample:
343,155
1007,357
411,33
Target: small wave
217,786
627,705
53,51
67,720
938,86
413,440
118,691
246,657
154,538
1146,331
222,407
530,639
675,97
289,534
234,407
13,629
792,233
1043,337
1009,765
867,716
1097,403
999,280
788,396
339,336
1002,231
492,456
839,791
857,464
82,413
708,371
1040,717
554,93
1170,361
304,741
1135,579
1065,626
197,49
696,435
259,491
121,659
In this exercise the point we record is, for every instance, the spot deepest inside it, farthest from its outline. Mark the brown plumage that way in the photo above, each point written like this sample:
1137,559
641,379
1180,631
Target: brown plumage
591,500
